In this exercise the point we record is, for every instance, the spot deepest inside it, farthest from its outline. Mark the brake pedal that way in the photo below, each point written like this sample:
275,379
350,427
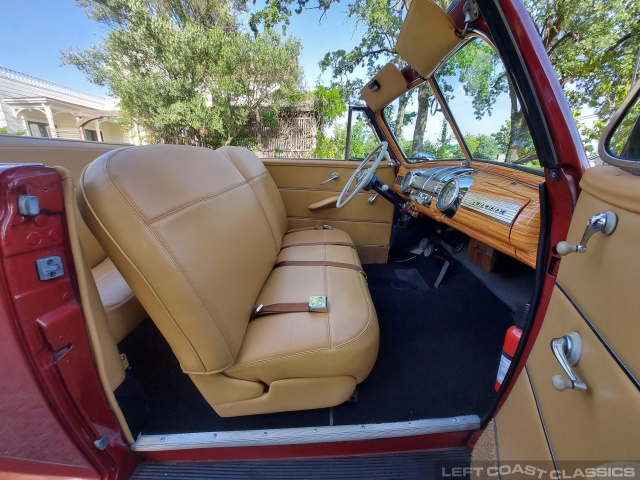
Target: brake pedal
422,246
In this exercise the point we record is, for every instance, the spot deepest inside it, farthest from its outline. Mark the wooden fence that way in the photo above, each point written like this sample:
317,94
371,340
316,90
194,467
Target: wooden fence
292,136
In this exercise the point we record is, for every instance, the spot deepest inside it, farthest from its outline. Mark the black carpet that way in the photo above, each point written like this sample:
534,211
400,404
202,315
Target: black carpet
175,404
439,353
439,348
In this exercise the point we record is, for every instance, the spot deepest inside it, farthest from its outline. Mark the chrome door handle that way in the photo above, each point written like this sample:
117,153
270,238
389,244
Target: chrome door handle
567,351
604,222
334,176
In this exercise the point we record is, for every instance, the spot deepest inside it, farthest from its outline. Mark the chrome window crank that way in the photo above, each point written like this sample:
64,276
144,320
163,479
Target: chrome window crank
334,176
567,351
604,222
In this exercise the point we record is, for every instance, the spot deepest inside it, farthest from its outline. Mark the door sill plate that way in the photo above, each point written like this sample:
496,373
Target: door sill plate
305,435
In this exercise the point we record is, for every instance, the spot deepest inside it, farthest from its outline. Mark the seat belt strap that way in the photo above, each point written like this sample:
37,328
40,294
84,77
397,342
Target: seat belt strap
319,227
316,303
319,263
346,244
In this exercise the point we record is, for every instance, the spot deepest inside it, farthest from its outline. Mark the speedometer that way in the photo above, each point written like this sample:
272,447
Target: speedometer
405,186
448,195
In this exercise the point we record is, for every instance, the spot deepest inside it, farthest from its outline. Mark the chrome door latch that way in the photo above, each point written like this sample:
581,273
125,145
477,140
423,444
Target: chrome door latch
604,222
567,351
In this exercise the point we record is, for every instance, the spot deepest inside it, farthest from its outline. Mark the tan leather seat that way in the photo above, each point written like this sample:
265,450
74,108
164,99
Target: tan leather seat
299,245
197,234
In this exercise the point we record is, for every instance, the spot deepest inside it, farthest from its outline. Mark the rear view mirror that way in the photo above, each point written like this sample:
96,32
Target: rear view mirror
620,142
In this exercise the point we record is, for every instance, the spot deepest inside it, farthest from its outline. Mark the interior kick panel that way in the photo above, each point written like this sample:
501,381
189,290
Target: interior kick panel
497,205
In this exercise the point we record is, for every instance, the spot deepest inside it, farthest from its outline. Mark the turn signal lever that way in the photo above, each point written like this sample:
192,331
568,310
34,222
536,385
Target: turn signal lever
602,222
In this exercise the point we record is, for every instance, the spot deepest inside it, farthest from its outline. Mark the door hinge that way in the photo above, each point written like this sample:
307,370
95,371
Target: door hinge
471,14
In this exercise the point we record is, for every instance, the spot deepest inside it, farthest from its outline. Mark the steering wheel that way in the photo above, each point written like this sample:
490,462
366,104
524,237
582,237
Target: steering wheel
361,175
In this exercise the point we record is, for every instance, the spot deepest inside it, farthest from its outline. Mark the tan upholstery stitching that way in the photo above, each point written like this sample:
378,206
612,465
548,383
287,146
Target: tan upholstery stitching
177,266
118,305
195,202
249,181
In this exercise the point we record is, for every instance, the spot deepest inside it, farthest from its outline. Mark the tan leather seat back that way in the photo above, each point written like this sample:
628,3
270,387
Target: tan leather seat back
188,233
256,174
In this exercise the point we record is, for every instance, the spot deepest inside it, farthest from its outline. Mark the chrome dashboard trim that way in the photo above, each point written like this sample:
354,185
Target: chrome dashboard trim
305,435
499,210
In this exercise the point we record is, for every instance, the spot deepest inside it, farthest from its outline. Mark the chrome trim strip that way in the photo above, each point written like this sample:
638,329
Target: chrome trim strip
544,426
499,210
305,435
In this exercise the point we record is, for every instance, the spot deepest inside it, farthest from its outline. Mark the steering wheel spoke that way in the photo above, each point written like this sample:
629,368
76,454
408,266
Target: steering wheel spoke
362,175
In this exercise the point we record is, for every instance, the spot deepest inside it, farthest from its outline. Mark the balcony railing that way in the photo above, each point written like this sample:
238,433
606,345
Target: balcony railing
56,87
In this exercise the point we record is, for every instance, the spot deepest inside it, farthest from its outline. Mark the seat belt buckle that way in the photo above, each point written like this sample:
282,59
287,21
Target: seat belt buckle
327,227
318,303
258,309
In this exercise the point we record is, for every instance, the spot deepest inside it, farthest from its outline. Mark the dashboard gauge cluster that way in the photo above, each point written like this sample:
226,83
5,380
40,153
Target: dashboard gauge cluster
445,183
495,204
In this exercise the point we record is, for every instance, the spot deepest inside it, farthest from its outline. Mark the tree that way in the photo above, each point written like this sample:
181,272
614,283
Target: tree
382,21
481,74
333,146
6,131
483,146
593,46
186,71
447,146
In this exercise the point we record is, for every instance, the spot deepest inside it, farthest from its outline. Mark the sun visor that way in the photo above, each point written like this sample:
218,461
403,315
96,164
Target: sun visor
386,86
427,38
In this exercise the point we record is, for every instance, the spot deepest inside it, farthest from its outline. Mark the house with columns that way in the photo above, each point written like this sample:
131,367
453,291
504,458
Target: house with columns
40,108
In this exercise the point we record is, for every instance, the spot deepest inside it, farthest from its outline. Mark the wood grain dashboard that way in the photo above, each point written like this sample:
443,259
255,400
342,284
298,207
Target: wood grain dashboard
497,205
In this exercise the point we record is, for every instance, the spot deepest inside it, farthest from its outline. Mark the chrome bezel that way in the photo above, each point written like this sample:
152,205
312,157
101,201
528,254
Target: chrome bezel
439,202
405,186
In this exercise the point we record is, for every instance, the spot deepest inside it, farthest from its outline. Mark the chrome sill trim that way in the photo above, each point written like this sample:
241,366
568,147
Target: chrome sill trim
306,435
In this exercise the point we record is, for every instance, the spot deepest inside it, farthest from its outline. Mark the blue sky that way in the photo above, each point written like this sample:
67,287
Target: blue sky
35,31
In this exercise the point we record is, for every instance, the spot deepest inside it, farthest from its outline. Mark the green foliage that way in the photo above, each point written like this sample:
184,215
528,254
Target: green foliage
593,47
328,105
6,131
446,146
334,146
184,69
624,141
484,147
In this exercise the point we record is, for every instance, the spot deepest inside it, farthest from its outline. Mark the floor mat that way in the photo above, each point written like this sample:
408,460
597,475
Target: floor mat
439,354
408,279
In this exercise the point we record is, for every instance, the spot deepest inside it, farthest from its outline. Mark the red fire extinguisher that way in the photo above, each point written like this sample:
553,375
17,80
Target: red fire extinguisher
511,341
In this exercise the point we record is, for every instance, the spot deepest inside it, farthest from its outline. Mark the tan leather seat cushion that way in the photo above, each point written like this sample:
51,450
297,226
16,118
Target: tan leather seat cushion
124,312
342,341
331,253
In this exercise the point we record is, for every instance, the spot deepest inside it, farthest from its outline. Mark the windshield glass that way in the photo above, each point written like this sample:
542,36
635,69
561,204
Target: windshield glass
482,103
